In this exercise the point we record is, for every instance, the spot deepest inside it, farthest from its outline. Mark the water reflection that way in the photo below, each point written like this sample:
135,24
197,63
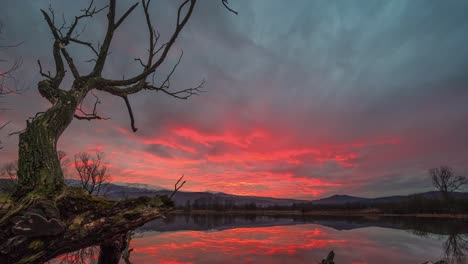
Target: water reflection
293,239
82,256
456,248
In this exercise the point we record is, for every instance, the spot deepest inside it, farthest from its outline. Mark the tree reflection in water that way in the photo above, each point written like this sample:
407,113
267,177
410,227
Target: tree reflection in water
95,255
82,256
456,248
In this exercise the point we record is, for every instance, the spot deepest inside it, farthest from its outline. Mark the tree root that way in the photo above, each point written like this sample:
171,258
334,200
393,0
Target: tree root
39,229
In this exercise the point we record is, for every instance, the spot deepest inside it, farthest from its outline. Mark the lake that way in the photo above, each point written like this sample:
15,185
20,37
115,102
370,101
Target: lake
184,238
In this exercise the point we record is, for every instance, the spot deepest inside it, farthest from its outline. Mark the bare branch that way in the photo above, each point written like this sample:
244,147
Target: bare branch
182,94
58,45
177,186
141,62
90,116
130,112
7,76
111,27
61,41
47,75
125,15
181,22
4,125
1,127
70,63
225,3
87,12
124,92
180,10
84,43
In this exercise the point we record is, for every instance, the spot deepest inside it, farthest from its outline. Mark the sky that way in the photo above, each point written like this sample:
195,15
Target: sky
304,99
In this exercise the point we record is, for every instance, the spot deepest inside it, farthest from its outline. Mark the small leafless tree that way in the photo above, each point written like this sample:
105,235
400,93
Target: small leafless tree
92,172
445,180
6,73
9,170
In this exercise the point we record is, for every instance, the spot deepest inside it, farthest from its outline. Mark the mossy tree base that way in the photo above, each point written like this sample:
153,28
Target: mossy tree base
38,229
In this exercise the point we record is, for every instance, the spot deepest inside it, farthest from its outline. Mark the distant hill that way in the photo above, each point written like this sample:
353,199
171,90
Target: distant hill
181,198
121,191
340,199
344,199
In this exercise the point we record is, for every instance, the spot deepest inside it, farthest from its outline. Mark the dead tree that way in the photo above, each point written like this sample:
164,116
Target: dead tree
445,180
49,219
92,172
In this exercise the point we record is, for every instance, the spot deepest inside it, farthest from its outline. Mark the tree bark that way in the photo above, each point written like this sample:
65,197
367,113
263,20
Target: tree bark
38,164
111,250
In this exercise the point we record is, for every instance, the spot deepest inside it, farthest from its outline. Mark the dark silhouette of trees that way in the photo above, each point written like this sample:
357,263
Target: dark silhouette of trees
92,172
445,180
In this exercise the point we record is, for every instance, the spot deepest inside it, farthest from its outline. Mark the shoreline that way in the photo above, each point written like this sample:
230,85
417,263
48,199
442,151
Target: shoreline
319,213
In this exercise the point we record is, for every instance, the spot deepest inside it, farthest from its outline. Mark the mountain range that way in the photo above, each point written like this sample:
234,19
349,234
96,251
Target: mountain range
124,191
119,191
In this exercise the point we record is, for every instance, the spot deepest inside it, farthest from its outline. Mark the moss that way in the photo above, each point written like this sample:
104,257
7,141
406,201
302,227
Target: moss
76,224
32,258
163,201
36,244
135,212
5,200
75,200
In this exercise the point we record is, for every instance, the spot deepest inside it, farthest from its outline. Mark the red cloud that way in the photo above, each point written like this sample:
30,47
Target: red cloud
239,162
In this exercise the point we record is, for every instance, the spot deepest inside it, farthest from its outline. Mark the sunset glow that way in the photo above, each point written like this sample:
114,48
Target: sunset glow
297,104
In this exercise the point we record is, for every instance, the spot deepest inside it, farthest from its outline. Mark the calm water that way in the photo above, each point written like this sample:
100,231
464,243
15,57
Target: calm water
262,239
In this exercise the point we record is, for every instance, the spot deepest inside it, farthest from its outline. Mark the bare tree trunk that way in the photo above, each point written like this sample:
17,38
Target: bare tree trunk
111,250
38,164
